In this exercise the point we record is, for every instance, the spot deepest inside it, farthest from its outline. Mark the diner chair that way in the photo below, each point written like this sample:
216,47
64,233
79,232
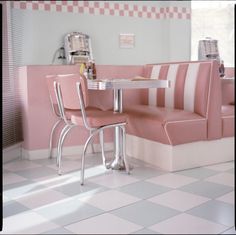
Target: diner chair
72,93
60,120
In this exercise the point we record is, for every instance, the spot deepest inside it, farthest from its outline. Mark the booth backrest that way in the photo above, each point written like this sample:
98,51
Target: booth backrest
195,87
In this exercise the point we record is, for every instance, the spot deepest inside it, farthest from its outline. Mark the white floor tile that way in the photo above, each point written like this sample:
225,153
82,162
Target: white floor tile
11,178
27,223
41,198
93,171
114,179
172,180
222,166
5,198
187,224
103,224
230,231
179,200
222,178
109,200
228,198
56,180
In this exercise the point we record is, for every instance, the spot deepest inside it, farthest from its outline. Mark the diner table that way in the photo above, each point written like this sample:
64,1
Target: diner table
117,85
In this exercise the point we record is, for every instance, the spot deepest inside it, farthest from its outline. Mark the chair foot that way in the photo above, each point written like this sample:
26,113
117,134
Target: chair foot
59,172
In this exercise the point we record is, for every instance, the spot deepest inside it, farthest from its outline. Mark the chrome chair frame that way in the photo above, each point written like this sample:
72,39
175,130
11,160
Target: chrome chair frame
66,128
93,131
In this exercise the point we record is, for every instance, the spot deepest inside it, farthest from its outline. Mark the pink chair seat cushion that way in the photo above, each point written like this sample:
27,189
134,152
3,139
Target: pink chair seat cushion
97,118
165,125
227,116
70,112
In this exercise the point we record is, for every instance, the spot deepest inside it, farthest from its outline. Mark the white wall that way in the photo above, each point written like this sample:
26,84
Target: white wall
39,33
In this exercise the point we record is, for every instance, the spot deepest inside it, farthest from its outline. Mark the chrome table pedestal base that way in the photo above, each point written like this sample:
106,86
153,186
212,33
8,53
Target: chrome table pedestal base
117,164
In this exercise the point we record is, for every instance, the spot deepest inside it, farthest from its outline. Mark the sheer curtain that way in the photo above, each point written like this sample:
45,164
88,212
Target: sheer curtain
214,19
11,115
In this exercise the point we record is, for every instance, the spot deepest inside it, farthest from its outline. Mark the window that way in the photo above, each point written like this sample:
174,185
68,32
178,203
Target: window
11,116
214,19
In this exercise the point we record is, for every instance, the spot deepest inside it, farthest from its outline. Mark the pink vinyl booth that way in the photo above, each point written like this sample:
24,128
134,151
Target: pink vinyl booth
184,126
227,108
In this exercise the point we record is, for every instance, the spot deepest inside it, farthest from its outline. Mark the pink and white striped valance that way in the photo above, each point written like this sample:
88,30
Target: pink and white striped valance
106,8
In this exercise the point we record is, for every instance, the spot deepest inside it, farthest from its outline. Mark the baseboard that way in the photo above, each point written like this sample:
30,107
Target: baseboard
72,150
180,157
11,153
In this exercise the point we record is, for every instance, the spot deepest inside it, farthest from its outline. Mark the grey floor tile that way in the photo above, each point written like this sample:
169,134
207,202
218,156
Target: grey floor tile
45,162
12,208
215,211
146,231
17,184
22,188
76,189
19,165
38,172
68,211
143,189
5,171
207,189
145,213
145,172
60,230
198,173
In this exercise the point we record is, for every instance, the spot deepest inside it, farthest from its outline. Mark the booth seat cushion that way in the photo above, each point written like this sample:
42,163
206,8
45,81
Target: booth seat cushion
166,125
195,87
227,115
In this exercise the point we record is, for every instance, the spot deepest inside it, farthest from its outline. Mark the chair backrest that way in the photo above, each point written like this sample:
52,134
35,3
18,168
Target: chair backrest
69,92
50,85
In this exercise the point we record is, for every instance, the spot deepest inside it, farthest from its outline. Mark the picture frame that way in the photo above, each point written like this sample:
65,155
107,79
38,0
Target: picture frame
126,40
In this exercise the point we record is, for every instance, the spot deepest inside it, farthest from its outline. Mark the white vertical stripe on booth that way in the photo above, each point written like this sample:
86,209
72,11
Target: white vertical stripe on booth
190,85
152,93
170,92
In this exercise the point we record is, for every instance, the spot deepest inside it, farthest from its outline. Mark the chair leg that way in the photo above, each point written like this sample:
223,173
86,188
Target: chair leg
92,147
83,158
59,142
124,150
102,147
51,136
62,138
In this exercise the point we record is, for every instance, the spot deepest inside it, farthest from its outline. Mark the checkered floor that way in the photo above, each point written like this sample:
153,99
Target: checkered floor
149,201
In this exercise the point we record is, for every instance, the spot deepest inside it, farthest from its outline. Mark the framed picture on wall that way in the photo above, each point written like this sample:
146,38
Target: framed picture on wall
126,40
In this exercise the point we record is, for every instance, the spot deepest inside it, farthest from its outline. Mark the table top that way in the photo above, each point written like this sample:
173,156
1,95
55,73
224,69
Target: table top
131,83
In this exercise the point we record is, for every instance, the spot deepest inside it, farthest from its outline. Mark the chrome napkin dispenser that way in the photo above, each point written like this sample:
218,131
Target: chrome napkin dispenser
78,48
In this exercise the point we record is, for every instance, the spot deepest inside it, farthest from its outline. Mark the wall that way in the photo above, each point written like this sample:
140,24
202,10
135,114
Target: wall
161,28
